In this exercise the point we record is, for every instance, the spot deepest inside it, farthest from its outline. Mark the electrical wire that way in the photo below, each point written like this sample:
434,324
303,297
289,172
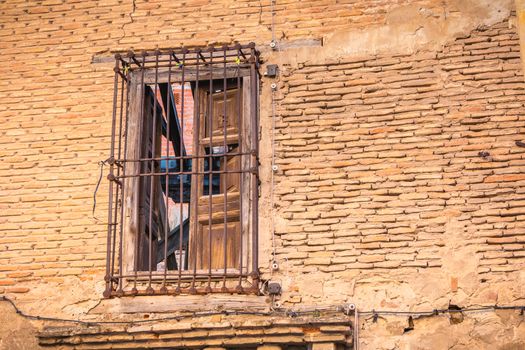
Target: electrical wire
311,310
272,10
272,184
277,47
101,165
149,320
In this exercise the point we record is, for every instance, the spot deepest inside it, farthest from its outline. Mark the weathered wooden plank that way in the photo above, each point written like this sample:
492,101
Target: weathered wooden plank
161,303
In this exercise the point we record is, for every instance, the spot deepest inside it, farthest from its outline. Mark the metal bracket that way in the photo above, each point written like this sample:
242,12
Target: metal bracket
274,288
271,70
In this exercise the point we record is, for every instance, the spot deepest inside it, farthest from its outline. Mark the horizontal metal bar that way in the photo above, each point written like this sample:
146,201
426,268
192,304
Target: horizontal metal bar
191,75
218,172
190,290
214,155
186,274
194,50
231,58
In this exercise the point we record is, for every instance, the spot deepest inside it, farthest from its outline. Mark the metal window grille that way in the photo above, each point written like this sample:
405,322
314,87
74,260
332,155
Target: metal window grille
183,172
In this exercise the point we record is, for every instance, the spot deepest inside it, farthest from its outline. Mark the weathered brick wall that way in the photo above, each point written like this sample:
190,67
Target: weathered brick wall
382,195
56,108
377,154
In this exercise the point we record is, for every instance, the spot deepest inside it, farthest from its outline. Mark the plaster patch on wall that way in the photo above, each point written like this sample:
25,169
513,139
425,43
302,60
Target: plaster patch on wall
412,28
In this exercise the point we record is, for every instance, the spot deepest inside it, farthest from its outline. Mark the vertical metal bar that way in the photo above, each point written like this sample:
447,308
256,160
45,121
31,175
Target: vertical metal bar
356,329
167,110
117,192
195,167
141,122
210,167
120,292
255,161
149,289
181,188
241,174
108,277
225,175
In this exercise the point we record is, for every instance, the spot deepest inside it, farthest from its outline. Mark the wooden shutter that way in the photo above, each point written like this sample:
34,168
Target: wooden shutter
220,242
150,201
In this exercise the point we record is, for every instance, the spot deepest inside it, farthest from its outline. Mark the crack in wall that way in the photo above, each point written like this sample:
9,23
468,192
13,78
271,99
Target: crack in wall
131,21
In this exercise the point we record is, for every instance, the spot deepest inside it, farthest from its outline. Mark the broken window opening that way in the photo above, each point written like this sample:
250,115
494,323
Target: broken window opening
183,201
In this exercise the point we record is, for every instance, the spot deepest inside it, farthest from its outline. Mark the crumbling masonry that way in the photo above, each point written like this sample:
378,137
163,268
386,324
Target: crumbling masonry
391,176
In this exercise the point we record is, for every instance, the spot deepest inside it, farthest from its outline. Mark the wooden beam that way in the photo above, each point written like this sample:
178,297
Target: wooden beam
161,303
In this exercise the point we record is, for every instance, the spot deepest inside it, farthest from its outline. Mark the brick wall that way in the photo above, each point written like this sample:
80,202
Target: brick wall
56,108
399,183
378,153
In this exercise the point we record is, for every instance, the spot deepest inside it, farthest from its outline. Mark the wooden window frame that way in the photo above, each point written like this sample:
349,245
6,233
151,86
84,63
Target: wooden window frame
123,276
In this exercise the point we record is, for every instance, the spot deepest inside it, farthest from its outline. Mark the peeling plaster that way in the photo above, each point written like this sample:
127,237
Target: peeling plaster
412,28
407,29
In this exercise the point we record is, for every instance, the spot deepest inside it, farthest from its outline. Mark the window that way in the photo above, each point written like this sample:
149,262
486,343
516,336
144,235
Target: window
183,173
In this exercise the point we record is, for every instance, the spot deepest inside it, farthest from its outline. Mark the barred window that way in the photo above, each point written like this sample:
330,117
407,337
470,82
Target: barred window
183,172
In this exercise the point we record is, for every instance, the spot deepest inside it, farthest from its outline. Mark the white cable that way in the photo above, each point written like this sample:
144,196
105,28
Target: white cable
272,170
272,2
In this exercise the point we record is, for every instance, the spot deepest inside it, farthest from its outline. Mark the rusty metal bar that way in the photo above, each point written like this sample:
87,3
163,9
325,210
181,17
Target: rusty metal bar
121,230
197,291
225,179
190,58
144,275
218,172
183,157
107,277
196,165
167,110
138,144
151,182
240,126
210,163
194,50
115,214
230,59
255,161
181,182
230,153
131,55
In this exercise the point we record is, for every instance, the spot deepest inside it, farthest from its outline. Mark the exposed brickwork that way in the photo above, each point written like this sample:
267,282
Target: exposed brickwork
377,154
388,164
248,333
56,122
